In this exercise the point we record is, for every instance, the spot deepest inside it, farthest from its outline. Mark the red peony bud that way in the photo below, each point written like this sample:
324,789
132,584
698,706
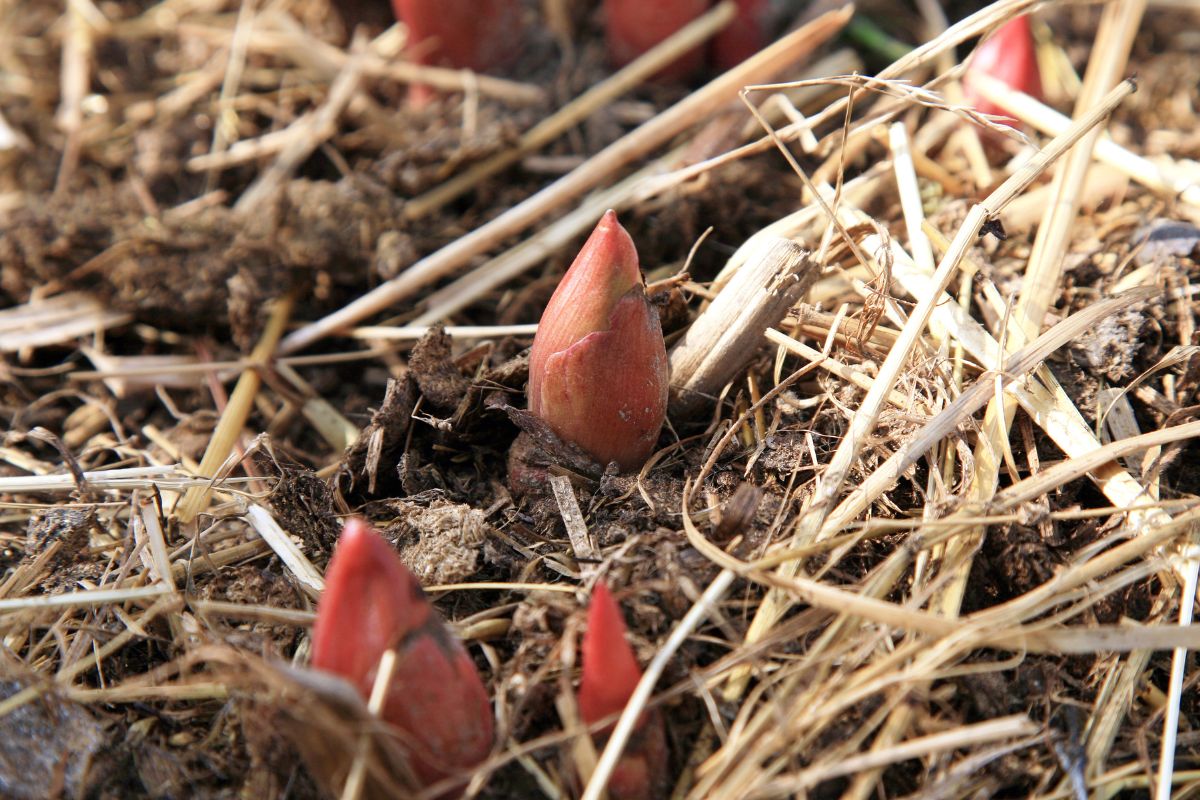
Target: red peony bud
610,674
468,34
610,669
372,603
598,368
631,27
1009,55
744,37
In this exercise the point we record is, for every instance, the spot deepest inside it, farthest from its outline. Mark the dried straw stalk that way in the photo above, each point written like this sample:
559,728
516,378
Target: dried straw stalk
725,336
229,428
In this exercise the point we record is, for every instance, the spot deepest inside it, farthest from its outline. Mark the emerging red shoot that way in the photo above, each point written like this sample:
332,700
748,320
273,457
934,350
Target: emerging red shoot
1009,55
631,27
598,367
436,699
610,675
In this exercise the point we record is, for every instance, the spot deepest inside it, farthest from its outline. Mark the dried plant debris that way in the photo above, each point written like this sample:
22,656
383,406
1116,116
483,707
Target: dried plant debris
442,384
310,236
441,543
907,548
380,445
304,503
65,529
1110,350
1165,240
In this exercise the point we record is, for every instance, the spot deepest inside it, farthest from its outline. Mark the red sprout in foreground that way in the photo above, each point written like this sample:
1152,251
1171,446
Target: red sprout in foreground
435,698
610,674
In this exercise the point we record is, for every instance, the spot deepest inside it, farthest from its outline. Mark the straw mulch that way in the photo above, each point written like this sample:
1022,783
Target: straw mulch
936,538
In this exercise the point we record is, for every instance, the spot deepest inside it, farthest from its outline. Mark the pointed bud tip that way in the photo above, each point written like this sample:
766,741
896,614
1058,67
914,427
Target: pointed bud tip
615,245
370,598
1009,55
598,370
356,534
610,225
610,668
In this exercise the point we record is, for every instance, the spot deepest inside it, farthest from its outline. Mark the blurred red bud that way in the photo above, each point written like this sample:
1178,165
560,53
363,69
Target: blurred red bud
1009,55
631,27
610,674
744,37
435,699
598,368
468,34
610,669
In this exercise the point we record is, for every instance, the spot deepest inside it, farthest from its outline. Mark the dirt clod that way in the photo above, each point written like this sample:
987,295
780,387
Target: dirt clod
441,543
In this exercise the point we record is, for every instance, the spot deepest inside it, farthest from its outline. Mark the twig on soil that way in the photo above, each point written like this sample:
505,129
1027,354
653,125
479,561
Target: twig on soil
90,598
55,320
181,369
259,613
1190,569
75,77
152,545
414,332
310,579
178,693
332,426
124,478
225,128
723,338
577,531
910,197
